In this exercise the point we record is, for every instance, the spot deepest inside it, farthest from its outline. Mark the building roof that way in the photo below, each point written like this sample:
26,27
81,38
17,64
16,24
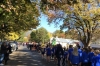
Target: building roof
62,40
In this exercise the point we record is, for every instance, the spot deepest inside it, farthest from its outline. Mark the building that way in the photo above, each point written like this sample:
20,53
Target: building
66,42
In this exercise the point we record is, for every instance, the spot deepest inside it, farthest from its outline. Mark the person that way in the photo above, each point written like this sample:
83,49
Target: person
65,57
90,56
5,51
69,54
85,59
80,52
30,45
52,52
59,53
48,53
75,57
1,59
9,48
42,51
96,59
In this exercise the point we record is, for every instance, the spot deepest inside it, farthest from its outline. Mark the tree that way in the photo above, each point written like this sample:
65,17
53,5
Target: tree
12,36
17,15
96,35
81,16
33,36
40,35
71,34
59,33
50,35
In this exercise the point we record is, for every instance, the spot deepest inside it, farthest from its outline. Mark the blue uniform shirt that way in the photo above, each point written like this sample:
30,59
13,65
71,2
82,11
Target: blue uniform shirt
75,59
48,50
69,52
96,60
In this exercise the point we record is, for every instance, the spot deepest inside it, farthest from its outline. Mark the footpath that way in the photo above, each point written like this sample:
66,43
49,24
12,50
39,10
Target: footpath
25,57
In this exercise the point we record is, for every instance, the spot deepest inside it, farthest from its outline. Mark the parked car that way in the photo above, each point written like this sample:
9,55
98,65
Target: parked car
14,45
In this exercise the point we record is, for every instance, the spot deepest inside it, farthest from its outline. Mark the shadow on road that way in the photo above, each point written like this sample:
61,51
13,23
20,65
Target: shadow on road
25,57
22,58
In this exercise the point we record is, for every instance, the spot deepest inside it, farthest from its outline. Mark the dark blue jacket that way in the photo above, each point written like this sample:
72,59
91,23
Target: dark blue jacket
84,57
48,50
59,52
65,54
69,52
90,56
96,60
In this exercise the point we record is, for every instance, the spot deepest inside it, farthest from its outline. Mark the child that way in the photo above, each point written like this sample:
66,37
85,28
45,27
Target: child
90,56
42,52
85,59
75,57
96,58
65,58
48,53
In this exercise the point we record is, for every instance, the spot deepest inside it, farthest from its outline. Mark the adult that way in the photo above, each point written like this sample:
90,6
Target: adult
9,48
5,51
59,53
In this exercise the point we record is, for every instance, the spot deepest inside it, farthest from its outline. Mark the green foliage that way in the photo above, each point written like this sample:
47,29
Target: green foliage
33,36
40,35
21,36
17,15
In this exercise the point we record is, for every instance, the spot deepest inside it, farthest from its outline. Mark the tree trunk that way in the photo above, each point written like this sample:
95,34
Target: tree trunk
85,42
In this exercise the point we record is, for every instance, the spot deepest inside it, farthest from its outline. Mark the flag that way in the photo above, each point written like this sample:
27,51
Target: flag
54,42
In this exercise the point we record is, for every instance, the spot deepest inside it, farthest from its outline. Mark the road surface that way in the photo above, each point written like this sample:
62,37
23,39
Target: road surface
25,57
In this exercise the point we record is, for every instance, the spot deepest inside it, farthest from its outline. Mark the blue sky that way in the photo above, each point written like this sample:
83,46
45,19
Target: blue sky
50,28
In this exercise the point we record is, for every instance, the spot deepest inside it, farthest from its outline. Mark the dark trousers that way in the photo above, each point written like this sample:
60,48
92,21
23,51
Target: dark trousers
52,55
64,61
59,59
30,47
89,64
84,64
6,57
10,51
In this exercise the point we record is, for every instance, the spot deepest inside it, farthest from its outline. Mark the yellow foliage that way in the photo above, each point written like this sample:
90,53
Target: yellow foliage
49,34
12,36
25,39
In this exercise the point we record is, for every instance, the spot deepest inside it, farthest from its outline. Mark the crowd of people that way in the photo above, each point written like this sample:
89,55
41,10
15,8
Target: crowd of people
72,56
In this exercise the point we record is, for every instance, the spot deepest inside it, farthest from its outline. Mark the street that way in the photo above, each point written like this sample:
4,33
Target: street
25,57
